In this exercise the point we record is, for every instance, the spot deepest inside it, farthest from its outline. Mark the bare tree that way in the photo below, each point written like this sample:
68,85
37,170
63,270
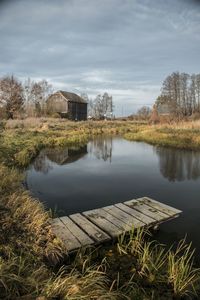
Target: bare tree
36,94
181,92
198,91
154,115
11,95
47,89
101,107
144,112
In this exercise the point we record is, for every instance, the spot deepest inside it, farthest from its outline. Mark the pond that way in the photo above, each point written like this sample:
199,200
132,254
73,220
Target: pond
109,170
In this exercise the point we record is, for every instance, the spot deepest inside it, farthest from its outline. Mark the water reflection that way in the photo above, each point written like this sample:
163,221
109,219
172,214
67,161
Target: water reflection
41,164
111,170
60,156
178,165
175,165
101,148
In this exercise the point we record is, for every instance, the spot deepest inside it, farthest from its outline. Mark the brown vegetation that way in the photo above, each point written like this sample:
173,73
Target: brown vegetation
31,256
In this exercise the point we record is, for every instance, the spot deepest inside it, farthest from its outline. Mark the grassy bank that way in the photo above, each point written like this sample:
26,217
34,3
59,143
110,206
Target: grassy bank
33,263
182,136
21,141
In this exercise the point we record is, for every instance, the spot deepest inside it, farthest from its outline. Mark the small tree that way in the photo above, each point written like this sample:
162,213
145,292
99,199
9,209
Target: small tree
144,112
36,94
101,107
154,115
11,95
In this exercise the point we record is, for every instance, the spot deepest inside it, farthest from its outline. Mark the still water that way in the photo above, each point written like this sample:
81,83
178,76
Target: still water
110,170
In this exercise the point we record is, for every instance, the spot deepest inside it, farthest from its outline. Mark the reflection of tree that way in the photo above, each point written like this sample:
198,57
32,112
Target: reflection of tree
178,165
60,156
102,148
41,163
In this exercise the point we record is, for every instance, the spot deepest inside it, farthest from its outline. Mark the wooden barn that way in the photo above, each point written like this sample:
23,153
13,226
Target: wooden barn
68,105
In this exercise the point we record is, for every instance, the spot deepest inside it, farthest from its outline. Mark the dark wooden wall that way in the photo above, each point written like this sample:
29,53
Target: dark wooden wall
77,111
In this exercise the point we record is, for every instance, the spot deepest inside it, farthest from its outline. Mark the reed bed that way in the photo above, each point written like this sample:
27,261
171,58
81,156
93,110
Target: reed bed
158,272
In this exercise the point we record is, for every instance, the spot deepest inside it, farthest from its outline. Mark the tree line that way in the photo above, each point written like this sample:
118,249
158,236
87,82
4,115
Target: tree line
181,94
179,98
29,98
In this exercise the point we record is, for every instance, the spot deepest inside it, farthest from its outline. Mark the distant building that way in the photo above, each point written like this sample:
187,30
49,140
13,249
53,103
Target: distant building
68,105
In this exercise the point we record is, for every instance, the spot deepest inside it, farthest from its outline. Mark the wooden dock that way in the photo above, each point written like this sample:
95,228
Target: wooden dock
103,224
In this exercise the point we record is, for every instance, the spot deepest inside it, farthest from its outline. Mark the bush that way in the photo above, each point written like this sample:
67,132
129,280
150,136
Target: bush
195,116
55,115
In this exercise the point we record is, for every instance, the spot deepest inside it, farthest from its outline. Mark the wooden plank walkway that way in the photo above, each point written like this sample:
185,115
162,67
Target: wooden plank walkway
104,224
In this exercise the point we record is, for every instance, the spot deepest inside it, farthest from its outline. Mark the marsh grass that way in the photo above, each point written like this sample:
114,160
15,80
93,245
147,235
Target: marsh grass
132,241
19,146
182,135
150,262
89,284
21,275
29,252
30,255
26,239
182,275
156,272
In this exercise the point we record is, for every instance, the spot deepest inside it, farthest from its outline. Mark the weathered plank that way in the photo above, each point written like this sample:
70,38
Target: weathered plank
68,239
100,225
171,211
146,210
129,220
81,236
100,219
98,235
136,214
116,220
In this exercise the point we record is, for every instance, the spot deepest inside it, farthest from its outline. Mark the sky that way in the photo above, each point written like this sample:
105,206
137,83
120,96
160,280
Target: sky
123,47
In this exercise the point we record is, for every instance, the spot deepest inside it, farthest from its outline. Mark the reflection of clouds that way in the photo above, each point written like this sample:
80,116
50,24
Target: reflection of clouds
101,148
179,165
60,156
41,163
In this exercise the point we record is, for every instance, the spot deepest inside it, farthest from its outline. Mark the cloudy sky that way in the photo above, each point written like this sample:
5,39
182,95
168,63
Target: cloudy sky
124,47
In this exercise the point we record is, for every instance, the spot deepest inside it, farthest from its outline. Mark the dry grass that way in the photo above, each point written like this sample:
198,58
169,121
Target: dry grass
152,265
181,125
26,239
32,123
28,249
184,135
182,276
21,215
21,275
27,242
89,284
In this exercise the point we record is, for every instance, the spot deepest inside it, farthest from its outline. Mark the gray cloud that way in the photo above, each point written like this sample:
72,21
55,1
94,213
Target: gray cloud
124,47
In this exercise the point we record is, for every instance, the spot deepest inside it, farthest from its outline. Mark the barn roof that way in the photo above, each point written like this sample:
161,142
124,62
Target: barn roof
72,97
